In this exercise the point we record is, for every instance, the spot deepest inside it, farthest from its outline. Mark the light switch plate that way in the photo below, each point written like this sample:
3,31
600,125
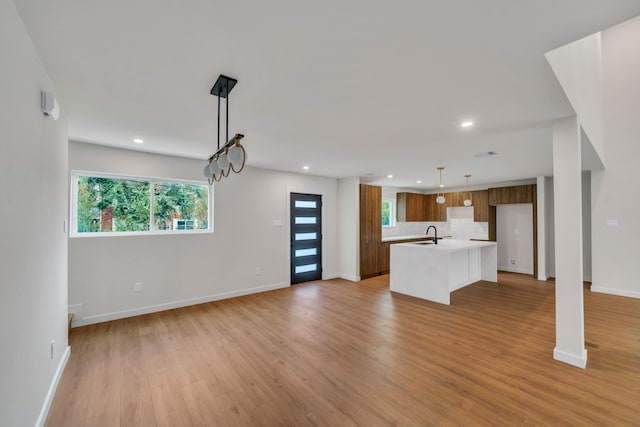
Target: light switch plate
612,223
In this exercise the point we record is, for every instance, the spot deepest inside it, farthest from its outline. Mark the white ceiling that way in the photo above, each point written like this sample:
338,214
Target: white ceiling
350,88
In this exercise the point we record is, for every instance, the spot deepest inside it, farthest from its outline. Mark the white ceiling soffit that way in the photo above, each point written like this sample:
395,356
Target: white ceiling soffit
349,88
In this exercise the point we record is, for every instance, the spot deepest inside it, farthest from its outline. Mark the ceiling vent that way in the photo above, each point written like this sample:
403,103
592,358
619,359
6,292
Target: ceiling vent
486,154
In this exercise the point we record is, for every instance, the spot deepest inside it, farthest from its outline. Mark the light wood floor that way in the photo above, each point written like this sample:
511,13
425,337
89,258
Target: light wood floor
336,353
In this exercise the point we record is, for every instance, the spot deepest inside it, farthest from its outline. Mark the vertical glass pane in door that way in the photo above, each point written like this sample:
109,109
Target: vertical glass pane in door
306,268
305,204
306,220
306,252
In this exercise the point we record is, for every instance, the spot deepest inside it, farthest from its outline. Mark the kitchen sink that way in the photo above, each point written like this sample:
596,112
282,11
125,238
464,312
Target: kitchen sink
422,243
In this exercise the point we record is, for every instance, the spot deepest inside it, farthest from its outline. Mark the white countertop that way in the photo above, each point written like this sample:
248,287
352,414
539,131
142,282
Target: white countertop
449,245
394,238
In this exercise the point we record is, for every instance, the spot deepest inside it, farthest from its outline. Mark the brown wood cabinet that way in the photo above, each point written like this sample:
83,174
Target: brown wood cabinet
385,257
411,207
480,205
435,211
453,200
370,230
511,195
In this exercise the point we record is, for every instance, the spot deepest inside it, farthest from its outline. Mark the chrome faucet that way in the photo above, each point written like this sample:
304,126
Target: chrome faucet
435,231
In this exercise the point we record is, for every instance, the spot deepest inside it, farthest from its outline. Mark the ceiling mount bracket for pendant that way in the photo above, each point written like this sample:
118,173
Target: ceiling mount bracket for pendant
223,86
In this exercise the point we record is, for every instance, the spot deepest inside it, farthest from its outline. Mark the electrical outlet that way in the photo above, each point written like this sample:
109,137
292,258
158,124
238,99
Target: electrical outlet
258,271
512,262
137,287
53,342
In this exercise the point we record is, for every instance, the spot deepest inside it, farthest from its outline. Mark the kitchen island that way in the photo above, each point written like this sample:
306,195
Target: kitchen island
432,271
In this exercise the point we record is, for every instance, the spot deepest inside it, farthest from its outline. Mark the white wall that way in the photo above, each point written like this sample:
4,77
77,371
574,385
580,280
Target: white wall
514,236
185,269
33,246
550,228
614,190
541,206
586,227
349,228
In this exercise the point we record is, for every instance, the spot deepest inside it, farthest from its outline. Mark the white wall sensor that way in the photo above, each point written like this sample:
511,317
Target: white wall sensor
49,105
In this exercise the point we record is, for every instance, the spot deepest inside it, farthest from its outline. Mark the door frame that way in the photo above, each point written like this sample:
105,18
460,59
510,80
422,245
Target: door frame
323,194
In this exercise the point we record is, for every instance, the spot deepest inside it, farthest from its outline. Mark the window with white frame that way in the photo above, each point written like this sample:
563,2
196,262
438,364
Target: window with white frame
388,213
105,204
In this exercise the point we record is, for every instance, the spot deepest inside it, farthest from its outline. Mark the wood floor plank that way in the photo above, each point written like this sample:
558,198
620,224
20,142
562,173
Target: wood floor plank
168,401
103,408
341,353
208,408
135,398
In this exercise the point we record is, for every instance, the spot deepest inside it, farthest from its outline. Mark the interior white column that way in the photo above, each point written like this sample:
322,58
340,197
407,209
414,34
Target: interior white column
567,177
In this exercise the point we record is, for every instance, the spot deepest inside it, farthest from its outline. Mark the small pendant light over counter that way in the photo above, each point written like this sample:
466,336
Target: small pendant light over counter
467,194
440,196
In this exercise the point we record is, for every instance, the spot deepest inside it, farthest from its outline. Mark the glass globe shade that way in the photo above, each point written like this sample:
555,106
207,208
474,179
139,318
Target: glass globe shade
467,202
206,172
223,161
440,199
214,168
236,155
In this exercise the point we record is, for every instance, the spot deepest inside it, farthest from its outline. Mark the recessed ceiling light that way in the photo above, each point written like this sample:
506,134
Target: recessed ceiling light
305,168
138,141
418,182
389,176
466,124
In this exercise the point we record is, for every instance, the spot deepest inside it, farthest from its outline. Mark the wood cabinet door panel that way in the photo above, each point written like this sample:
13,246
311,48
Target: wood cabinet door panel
411,207
435,212
370,229
511,195
480,205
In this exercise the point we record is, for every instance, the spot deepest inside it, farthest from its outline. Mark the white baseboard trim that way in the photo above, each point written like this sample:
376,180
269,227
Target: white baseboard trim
176,304
510,269
329,276
48,400
571,359
619,292
349,277
542,277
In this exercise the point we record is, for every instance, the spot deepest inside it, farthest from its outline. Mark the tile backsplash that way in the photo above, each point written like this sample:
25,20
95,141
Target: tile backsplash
458,228
465,229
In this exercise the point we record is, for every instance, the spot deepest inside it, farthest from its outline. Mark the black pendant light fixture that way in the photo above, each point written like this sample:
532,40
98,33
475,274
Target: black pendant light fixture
231,156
